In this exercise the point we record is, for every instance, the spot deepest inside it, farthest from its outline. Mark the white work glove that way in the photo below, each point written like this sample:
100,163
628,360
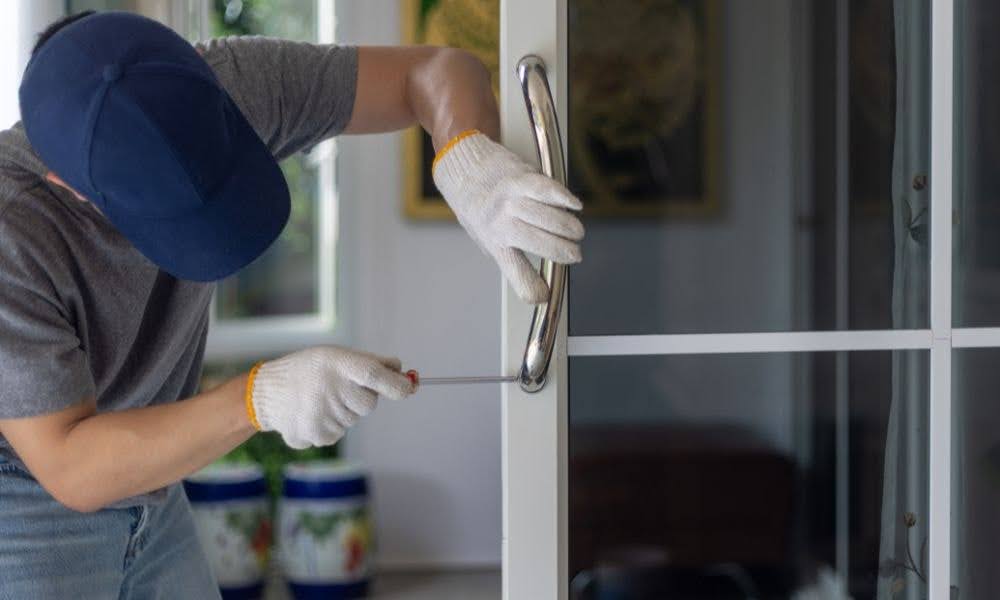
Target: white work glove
313,396
509,208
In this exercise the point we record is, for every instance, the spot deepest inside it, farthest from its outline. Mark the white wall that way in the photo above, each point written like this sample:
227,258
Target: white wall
20,21
10,63
426,293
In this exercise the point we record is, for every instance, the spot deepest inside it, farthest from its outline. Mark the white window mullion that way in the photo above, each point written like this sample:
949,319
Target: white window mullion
742,343
942,124
254,336
328,201
977,337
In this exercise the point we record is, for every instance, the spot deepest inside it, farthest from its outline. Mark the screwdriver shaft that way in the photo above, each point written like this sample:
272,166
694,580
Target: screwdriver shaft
476,379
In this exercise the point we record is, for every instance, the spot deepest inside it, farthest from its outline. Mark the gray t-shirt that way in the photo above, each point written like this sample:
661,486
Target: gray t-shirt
82,312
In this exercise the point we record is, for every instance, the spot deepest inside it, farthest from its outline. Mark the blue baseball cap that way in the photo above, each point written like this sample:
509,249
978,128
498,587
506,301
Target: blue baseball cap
127,113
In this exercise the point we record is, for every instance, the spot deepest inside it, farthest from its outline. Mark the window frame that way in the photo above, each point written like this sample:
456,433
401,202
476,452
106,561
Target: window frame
253,337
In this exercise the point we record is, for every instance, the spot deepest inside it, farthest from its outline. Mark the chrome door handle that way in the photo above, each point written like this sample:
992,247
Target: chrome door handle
545,125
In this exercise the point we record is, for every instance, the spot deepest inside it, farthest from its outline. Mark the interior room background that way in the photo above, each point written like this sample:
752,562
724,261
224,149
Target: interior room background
419,289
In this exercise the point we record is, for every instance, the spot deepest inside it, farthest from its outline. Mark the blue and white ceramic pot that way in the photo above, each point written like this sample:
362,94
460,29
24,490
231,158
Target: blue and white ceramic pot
324,530
233,519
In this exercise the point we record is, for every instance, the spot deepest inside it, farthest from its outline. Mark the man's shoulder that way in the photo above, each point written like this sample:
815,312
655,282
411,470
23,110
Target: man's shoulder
19,225
35,226
230,54
293,93
28,230
20,168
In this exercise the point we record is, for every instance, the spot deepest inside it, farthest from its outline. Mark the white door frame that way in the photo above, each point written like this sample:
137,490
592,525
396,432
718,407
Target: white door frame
535,425
533,444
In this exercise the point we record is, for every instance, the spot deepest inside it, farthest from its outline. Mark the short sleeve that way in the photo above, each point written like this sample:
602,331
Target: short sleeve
43,367
294,94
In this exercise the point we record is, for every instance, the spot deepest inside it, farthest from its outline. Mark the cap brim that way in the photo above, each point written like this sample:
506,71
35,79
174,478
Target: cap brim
244,216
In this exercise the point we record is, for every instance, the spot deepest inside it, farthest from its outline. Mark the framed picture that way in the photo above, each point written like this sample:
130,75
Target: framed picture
643,102
473,25
644,107
872,114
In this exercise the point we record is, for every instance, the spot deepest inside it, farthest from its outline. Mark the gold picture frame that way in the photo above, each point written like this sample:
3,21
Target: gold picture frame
605,191
457,19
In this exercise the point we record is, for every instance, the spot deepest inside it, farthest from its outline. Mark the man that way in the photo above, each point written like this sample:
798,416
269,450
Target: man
144,170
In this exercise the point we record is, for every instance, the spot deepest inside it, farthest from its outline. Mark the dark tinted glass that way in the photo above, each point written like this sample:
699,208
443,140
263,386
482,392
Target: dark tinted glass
703,139
977,211
976,474
717,476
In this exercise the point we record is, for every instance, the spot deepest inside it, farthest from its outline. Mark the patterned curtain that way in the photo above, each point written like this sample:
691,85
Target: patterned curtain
903,548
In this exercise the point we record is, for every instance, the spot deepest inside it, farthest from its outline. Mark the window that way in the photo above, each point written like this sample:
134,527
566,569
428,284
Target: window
10,65
285,298
288,292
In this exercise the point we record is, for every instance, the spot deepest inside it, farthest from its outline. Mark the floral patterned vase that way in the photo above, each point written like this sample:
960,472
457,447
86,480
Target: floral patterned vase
231,514
324,531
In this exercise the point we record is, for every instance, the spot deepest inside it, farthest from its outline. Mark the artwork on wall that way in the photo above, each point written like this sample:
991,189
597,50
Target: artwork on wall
473,25
643,102
644,107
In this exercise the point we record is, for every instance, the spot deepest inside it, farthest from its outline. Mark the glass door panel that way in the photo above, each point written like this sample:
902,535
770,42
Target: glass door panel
976,474
734,180
977,213
975,460
718,476
748,167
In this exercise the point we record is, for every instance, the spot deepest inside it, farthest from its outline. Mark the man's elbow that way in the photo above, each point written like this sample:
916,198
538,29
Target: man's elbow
451,61
74,497
81,503
44,444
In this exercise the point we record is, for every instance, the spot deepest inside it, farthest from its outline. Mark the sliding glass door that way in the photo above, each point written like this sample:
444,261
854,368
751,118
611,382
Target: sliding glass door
751,395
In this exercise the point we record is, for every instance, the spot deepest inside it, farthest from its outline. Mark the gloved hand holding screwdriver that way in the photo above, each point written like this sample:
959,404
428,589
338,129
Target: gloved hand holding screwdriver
506,206
312,397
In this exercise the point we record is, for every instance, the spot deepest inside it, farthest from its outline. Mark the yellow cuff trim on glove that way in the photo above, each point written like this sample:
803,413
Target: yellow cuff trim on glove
251,413
451,143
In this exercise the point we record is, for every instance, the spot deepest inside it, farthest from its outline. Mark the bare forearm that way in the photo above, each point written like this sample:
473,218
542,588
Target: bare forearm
444,90
135,451
450,94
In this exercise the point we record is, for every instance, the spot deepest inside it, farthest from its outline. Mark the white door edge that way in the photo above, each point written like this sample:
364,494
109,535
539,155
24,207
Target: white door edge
533,425
941,185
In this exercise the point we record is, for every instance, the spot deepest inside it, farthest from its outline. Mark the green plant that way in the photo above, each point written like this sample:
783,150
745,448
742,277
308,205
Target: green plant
270,452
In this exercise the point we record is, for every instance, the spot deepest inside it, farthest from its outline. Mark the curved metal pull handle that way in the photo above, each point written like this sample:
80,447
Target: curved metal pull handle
542,115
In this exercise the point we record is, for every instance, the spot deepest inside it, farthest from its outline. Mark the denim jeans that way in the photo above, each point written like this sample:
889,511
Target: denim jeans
49,551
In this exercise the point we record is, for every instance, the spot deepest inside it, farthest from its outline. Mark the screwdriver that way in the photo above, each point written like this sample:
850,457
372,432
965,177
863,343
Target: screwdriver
418,380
